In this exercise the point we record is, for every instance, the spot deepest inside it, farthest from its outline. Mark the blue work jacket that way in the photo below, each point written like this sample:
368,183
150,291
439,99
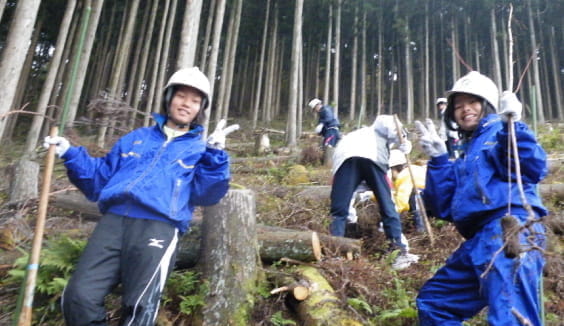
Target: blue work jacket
474,190
146,176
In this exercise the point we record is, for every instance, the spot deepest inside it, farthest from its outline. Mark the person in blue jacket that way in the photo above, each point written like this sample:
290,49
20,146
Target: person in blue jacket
473,192
146,187
328,125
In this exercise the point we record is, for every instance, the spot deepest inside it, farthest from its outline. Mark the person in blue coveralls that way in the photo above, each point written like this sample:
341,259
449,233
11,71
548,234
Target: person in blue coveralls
328,125
473,192
146,187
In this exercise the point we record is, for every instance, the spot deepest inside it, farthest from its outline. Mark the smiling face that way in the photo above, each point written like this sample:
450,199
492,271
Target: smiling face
184,107
467,111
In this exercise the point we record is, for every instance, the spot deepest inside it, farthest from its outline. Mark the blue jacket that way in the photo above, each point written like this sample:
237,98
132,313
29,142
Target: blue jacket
473,190
144,176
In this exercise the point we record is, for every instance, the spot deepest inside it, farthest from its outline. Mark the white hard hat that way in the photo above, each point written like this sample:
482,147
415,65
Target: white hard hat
313,103
441,100
476,84
191,77
397,157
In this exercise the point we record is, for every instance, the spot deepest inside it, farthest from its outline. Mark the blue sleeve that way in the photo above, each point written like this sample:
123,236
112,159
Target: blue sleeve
325,116
90,174
211,179
532,157
440,184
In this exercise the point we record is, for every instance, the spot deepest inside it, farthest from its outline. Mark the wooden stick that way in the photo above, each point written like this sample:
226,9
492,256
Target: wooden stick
417,195
33,265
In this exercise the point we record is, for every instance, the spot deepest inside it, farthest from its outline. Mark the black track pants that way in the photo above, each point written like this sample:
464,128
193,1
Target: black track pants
137,253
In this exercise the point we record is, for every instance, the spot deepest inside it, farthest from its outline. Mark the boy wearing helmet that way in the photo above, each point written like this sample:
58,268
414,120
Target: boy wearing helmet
146,187
328,125
473,192
403,191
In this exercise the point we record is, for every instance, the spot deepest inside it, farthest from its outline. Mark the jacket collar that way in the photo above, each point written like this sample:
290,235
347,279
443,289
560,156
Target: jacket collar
161,121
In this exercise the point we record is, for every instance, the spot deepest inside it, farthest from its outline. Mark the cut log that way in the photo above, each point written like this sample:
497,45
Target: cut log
229,259
276,243
322,307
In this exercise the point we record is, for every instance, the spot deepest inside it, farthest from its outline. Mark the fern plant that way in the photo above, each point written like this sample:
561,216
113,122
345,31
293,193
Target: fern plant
57,261
185,290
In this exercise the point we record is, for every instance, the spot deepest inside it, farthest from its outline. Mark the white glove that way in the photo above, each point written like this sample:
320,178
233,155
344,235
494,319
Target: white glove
510,106
405,147
217,138
430,141
61,144
319,128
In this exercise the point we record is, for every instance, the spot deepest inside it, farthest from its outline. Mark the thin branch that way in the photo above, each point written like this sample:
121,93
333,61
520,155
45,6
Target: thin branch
525,70
459,57
510,34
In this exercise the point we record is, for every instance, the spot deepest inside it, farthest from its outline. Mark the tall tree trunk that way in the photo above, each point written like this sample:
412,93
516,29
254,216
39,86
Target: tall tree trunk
14,53
212,67
34,130
2,6
337,62
557,85
495,50
165,56
326,97
152,105
535,67
205,45
380,67
189,39
454,59
354,64
223,97
140,86
72,96
19,98
119,70
426,73
408,73
258,91
363,73
294,78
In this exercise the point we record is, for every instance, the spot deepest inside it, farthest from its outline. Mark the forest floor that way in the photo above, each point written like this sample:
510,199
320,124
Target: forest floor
368,287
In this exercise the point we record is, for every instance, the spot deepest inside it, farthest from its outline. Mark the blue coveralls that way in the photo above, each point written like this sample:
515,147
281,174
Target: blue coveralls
473,193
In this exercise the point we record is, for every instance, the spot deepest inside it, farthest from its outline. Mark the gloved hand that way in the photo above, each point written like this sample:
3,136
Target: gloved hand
405,147
217,138
61,144
319,128
510,106
430,141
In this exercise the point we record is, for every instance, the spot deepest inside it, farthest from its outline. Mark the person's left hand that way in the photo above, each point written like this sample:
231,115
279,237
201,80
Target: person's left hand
405,147
510,106
217,138
319,128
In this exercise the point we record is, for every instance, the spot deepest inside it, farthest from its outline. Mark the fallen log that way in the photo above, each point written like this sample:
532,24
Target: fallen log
321,307
276,243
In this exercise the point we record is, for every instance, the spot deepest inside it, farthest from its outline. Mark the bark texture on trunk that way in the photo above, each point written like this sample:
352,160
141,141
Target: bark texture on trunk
229,258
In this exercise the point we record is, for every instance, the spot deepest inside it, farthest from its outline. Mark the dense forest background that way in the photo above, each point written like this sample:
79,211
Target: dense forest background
80,62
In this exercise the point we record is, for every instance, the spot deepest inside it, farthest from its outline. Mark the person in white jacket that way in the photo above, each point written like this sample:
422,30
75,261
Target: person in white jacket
362,155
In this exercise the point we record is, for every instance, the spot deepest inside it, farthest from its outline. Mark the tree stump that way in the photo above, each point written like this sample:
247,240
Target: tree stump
228,259
328,155
24,181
